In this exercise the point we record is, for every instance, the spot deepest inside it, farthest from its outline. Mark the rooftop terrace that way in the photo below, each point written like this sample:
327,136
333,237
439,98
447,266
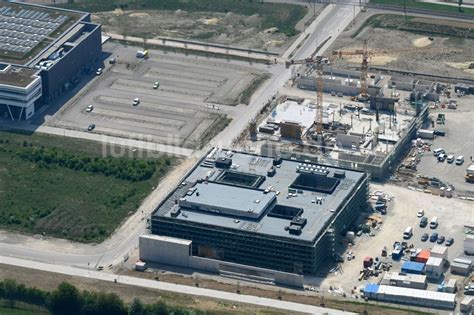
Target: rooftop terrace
17,76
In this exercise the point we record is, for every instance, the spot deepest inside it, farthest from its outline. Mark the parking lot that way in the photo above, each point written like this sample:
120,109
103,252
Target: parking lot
453,214
459,140
181,111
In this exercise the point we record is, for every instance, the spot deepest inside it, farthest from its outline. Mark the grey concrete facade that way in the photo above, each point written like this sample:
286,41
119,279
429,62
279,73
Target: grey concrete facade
177,252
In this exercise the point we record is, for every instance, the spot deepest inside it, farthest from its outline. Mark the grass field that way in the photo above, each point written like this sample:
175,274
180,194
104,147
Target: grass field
283,16
63,201
426,5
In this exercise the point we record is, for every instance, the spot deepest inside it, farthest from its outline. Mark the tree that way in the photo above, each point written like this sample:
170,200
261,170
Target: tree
136,308
159,308
66,300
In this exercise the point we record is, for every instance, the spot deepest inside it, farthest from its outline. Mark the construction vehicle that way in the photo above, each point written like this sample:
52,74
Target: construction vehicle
470,174
319,61
441,118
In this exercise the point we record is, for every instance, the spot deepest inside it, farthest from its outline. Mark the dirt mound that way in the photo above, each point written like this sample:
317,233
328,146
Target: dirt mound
374,61
213,21
422,42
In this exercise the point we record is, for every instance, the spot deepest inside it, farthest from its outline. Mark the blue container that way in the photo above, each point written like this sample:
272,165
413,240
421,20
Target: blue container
413,267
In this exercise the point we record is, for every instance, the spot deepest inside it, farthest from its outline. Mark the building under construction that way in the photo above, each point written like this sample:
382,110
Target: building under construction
278,214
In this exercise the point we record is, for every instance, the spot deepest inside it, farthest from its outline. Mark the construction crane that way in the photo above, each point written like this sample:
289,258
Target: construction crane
366,54
319,61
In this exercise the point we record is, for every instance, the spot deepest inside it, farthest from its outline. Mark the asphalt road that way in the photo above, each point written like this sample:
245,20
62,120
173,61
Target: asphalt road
165,286
63,254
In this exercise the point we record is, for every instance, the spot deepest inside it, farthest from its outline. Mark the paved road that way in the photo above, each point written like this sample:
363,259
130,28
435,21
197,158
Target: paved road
183,289
333,19
197,46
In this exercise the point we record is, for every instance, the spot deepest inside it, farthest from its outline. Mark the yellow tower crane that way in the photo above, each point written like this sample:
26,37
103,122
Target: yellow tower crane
366,54
319,61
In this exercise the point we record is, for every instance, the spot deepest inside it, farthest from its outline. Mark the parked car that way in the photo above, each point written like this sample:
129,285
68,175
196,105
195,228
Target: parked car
156,85
441,239
438,151
91,127
424,237
100,268
136,101
450,158
434,223
420,213
441,157
433,237
408,233
89,108
99,71
459,160
449,241
423,222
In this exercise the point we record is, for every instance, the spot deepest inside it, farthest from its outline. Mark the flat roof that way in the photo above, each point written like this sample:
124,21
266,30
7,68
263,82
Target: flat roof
168,239
229,200
18,76
318,215
26,29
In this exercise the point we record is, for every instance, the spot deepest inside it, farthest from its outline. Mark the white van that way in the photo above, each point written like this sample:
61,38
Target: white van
459,160
450,158
434,223
408,232
438,151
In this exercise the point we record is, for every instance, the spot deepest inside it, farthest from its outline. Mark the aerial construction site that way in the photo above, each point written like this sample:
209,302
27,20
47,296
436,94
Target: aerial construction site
238,156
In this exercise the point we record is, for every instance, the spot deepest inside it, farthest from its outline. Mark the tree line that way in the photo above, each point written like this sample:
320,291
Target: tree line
121,168
68,300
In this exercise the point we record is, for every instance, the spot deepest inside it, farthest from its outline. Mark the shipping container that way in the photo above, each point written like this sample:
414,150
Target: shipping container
466,304
423,256
460,268
409,296
434,268
413,267
426,134
439,251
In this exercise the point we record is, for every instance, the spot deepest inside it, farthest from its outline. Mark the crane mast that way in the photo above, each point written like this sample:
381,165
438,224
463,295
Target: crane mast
318,61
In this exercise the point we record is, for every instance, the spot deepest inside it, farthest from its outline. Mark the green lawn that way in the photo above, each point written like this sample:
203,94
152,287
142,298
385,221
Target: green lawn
283,16
426,5
65,201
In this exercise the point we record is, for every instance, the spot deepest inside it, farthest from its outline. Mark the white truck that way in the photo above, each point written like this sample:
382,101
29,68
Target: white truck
469,245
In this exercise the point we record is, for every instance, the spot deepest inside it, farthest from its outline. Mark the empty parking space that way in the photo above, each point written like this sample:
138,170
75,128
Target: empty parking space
175,112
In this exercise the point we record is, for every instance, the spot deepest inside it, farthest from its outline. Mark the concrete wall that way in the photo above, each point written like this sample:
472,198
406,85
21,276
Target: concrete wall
331,86
164,249
177,252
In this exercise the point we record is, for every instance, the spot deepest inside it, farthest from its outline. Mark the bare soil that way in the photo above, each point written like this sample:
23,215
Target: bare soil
449,51
222,28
